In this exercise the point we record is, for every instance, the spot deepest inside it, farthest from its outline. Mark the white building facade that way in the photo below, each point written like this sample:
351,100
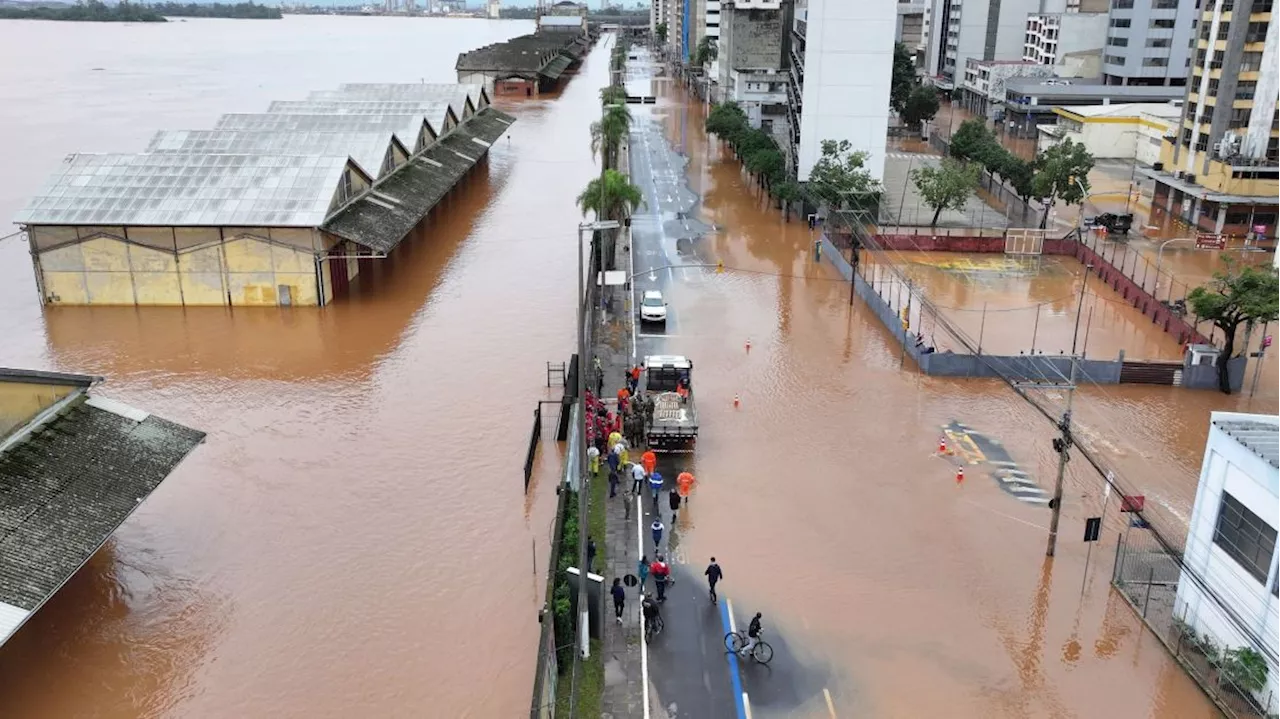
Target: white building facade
981,29
1149,42
1231,542
842,61
1053,36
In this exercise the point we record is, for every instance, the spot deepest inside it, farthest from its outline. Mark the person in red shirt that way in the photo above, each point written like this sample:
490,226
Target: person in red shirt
661,573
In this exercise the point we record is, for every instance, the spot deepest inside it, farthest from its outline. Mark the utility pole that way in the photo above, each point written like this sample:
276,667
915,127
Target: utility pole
1062,445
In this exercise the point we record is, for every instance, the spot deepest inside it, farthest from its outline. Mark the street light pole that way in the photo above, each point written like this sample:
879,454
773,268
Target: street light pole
1160,253
1063,443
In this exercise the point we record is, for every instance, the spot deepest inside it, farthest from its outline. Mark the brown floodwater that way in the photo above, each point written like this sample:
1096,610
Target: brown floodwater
353,539
821,497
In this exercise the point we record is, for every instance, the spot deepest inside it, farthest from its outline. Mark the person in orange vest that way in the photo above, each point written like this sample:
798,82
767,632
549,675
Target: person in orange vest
685,482
649,460
623,395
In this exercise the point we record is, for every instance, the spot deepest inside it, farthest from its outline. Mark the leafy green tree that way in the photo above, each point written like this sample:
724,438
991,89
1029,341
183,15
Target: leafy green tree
1062,173
903,79
787,192
766,162
1020,175
725,119
607,134
840,177
921,105
706,51
1246,668
946,187
973,141
1236,296
661,32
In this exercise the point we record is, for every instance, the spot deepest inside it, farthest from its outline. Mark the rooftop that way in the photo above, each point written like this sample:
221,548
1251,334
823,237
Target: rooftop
381,219
1053,88
437,111
188,189
73,467
366,149
457,95
1123,110
1259,433
526,53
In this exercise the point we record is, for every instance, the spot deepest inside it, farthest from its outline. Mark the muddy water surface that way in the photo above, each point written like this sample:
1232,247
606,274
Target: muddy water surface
353,539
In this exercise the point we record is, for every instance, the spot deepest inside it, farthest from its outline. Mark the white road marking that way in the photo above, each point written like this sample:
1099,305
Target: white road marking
746,705
733,626
644,645
1007,516
831,707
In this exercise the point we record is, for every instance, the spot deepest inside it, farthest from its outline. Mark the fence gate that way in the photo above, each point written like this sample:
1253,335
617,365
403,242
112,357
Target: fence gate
1019,241
1166,373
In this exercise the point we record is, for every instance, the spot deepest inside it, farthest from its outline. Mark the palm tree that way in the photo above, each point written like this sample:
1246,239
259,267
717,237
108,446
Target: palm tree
611,197
613,95
608,133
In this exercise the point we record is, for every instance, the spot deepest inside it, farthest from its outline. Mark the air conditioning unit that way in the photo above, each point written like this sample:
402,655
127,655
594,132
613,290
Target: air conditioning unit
1158,167
1177,174
1191,179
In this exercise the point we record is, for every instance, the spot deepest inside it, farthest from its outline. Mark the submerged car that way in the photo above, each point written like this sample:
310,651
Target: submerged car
653,308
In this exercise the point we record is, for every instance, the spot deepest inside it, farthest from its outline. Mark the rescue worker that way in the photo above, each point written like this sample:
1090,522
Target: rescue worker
673,501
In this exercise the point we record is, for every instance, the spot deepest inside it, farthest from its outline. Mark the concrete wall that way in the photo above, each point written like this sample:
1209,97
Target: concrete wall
848,63
177,266
20,402
757,40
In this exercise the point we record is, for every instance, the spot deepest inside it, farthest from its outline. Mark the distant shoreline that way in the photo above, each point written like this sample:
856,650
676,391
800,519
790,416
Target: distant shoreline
96,11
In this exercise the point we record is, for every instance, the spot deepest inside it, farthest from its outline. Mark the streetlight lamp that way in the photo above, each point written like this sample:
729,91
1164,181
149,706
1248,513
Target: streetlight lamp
1160,252
583,610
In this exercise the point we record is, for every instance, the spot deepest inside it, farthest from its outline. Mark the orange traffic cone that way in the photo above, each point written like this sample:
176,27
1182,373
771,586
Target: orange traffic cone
959,475
942,445
735,400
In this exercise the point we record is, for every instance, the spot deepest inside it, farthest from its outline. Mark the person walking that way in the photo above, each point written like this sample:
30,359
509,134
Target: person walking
614,438
661,573
673,501
593,460
591,554
623,456
657,528
714,575
613,483
649,460
637,479
642,571
619,598
655,487
614,458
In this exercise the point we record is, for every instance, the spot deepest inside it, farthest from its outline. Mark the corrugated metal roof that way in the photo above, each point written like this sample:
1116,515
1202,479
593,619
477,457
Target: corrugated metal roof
561,20
11,618
181,189
556,67
1260,436
367,149
398,91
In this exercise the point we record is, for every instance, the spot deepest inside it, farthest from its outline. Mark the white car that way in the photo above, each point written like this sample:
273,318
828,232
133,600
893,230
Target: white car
652,307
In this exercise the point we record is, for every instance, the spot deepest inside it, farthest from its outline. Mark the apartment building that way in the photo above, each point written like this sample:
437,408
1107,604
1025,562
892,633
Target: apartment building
751,67
841,61
910,30
1221,173
983,90
1053,39
711,28
980,29
1149,42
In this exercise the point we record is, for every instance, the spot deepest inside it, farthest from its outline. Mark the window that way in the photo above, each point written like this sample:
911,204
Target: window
1114,59
1165,4
1121,4
1257,32
1155,62
1158,42
1251,62
1244,537
1162,24
1119,22
1118,41
1239,118
1245,89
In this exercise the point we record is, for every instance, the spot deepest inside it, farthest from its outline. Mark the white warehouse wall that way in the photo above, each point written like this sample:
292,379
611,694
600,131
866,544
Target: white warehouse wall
848,62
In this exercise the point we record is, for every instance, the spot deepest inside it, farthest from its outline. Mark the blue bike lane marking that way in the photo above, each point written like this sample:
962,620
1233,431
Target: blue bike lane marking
734,675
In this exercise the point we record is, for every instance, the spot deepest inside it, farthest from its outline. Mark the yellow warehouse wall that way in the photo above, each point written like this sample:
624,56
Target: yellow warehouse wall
240,271
20,402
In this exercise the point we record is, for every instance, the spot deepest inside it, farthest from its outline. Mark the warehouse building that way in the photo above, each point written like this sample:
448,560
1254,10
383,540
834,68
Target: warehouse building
523,66
279,208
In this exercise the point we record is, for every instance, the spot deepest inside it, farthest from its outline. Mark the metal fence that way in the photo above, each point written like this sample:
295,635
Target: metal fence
1195,624
534,435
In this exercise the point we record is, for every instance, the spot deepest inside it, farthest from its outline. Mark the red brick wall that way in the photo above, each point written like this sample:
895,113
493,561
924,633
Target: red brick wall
1142,300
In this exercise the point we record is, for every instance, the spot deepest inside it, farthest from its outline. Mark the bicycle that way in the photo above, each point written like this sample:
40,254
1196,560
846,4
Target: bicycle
761,652
653,628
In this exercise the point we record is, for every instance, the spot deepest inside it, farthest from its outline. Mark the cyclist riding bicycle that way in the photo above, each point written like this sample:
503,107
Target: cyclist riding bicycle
652,614
753,635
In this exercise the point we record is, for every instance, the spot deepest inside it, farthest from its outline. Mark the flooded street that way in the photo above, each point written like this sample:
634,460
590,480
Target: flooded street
353,539
882,581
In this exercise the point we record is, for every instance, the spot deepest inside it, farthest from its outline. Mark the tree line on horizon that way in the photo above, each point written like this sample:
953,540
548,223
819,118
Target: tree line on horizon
97,11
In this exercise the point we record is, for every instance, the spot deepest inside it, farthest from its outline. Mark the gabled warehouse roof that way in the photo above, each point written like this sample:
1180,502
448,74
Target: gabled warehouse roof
437,111
405,126
367,149
189,189
556,67
381,219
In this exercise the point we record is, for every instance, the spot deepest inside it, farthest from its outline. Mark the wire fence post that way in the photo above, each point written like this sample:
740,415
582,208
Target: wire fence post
1151,578
1035,329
